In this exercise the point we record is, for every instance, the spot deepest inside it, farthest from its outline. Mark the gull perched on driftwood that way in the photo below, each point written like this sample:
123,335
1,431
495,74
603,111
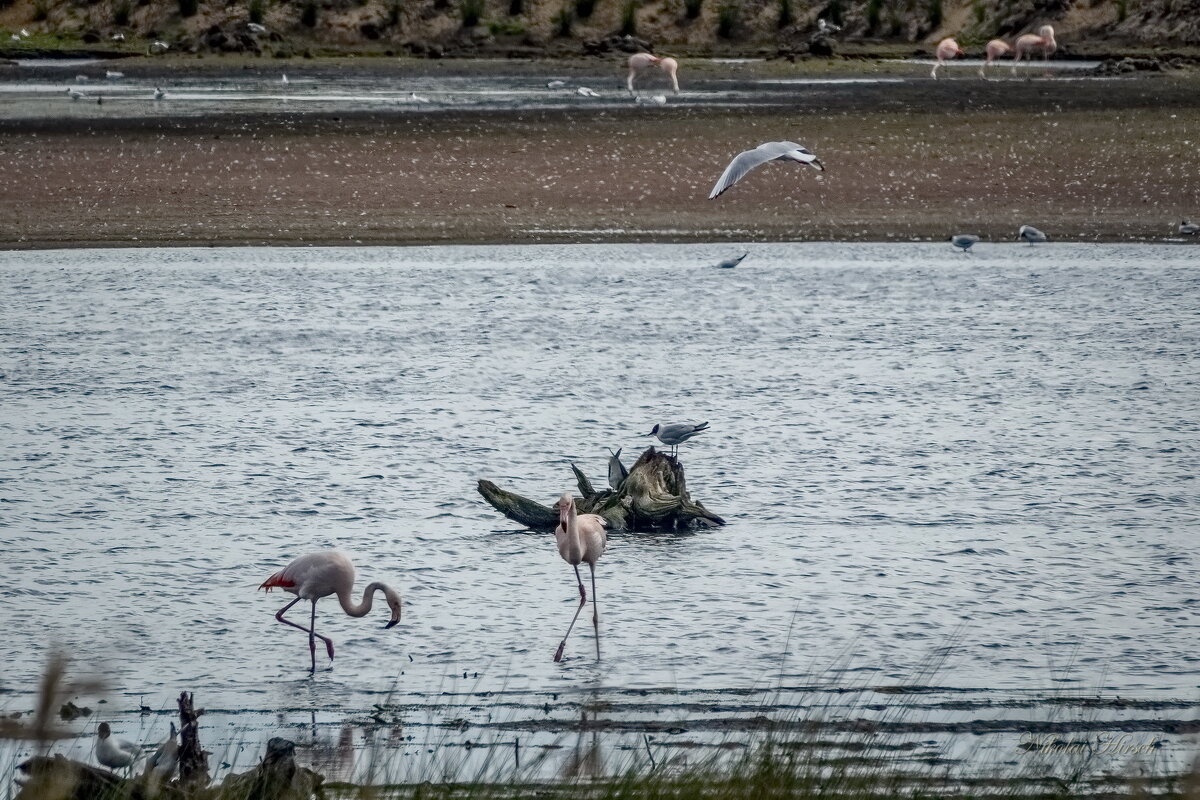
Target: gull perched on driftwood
674,434
769,151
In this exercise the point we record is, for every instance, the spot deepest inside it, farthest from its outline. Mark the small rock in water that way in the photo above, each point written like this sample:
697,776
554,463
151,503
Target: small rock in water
70,711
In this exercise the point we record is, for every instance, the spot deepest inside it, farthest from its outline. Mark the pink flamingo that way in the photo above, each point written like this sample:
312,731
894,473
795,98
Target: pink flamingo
580,538
318,575
640,62
994,49
947,49
1042,40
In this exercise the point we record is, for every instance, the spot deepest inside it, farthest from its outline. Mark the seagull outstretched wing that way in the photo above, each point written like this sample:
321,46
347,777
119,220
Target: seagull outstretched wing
770,151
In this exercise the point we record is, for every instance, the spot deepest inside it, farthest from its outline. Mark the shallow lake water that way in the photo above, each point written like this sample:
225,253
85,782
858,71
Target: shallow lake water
40,89
972,472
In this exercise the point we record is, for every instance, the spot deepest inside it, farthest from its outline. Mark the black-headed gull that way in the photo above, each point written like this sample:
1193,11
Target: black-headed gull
674,434
769,151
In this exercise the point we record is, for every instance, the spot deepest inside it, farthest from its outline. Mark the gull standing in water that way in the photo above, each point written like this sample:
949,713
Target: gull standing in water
768,151
581,539
115,753
1188,228
964,240
159,94
318,575
1030,234
676,433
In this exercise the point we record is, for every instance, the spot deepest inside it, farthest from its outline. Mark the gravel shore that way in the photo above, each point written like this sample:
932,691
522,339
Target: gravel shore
1082,159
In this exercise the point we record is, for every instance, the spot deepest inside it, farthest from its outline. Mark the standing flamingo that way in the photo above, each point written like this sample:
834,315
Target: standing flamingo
1042,40
947,49
580,538
318,575
994,49
640,62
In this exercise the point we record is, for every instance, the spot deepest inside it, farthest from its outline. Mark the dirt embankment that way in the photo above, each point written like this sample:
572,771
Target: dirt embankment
540,28
1086,160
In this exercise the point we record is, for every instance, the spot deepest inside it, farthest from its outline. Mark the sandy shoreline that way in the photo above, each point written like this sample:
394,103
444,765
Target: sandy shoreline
1104,160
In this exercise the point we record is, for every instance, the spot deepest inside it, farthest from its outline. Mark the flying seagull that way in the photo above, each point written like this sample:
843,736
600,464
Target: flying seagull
1030,234
770,151
964,240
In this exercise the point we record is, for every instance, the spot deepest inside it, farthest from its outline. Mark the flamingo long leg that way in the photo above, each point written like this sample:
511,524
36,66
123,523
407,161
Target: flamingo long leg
582,602
595,610
328,642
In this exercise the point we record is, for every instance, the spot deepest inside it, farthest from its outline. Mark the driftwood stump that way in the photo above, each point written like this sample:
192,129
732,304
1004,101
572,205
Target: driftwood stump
653,497
193,760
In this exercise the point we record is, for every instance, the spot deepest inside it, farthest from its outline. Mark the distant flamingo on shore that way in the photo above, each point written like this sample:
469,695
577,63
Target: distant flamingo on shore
316,575
947,49
1026,44
993,50
581,539
640,62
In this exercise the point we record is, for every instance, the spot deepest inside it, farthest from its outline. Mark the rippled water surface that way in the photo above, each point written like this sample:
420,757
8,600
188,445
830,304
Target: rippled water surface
987,459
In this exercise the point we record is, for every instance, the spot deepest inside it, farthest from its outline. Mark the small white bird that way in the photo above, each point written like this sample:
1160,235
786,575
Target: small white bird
825,26
284,79
163,762
674,434
586,92
654,99
1188,228
158,47
555,84
114,76
117,37
417,98
616,470
15,38
75,94
1030,234
963,240
112,752
768,151
81,78
254,27
159,94
730,263
25,33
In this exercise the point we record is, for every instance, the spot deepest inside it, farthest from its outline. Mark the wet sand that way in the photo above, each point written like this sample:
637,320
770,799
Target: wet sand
1082,159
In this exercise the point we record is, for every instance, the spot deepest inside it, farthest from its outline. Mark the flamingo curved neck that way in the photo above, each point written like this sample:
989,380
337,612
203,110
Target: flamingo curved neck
570,543
363,608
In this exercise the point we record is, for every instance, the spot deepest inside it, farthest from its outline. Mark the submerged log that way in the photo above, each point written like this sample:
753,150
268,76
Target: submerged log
652,497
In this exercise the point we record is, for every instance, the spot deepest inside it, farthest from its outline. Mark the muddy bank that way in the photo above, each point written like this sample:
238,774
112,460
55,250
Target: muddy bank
909,159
